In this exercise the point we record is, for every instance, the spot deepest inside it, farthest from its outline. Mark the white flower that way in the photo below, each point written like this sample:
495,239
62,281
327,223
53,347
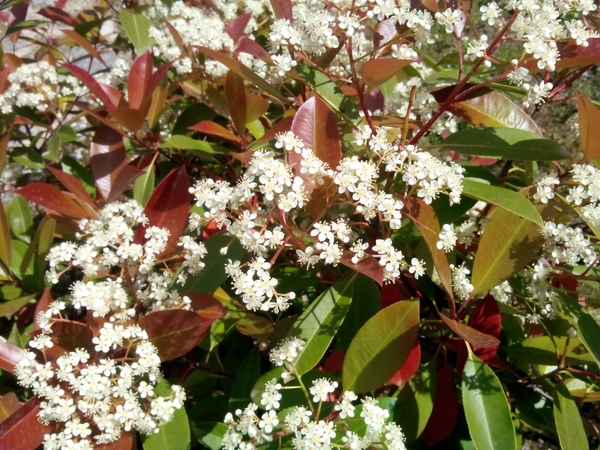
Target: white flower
447,238
345,406
321,388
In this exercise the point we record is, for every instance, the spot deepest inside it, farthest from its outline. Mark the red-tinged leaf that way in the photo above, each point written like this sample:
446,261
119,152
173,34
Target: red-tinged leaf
55,200
486,318
390,295
282,126
73,185
425,219
247,45
22,430
158,77
256,107
138,80
107,158
256,327
573,55
9,404
125,442
214,129
410,366
67,336
99,117
385,31
235,28
368,266
169,206
19,12
206,305
471,335
175,332
377,71
445,409
283,9
236,100
58,15
42,306
123,181
10,355
132,119
334,363
5,238
109,96
589,131
83,43
431,5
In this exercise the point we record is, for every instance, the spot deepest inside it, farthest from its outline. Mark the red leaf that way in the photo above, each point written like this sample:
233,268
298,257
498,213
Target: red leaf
9,404
235,28
334,362
108,95
58,15
573,55
206,305
377,71
282,126
55,200
67,336
471,335
283,9
125,442
390,295
368,266
384,32
169,206
445,409
236,100
175,332
247,45
256,107
22,430
83,43
589,132
138,80
123,181
409,367
486,318
73,185
107,158
214,129
10,356
42,306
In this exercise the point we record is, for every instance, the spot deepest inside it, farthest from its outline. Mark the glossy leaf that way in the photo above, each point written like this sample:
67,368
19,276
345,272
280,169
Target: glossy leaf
444,415
546,350
573,55
418,397
213,274
377,71
256,107
410,366
589,131
22,430
9,356
173,435
503,143
571,433
587,328
504,198
73,185
54,200
82,42
175,332
235,28
144,185
67,336
5,244
257,327
19,216
381,346
368,266
169,206
107,159
9,404
246,377
282,9
123,181
486,318
236,100
137,29
138,81
486,408
214,129
508,244
187,143
471,335
108,95
319,322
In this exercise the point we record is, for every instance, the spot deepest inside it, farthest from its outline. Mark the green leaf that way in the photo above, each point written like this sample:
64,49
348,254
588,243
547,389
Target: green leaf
486,408
381,346
546,350
571,433
587,328
187,143
5,244
319,323
247,376
210,433
28,157
504,198
366,302
173,435
418,396
8,309
144,185
137,29
503,143
213,274
19,217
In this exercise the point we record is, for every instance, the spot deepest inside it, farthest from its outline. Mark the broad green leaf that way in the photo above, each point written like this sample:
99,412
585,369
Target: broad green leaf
545,350
210,434
137,29
213,274
587,328
417,396
319,323
187,143
571,433
486,407
173,435
8,309
5,244
508,244
366,302
247,376
381,346
144,185
18,213
503,143
504,198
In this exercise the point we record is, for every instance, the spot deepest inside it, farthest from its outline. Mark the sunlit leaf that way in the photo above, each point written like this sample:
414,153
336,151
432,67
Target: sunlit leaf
571,433
589,131
23,430
378,71
444,415
144,185
471,335
417,397
236,100
137,29
5,244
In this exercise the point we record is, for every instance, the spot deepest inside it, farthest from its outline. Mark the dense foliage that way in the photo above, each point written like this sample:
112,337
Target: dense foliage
302,224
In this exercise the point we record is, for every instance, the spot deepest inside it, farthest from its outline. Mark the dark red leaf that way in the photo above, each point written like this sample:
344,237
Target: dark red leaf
214,129
282,126
175,332
125,442
236,100
409,367
19,12
169,206
73,185
206,305
42,306
445,409
335,362
573,55
10,355
139,79
247,45
390,295
107,158
123,181
58,15
67,336
235,28
22,430
55,200
472,336
368,266
282,9
486,318
108,95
